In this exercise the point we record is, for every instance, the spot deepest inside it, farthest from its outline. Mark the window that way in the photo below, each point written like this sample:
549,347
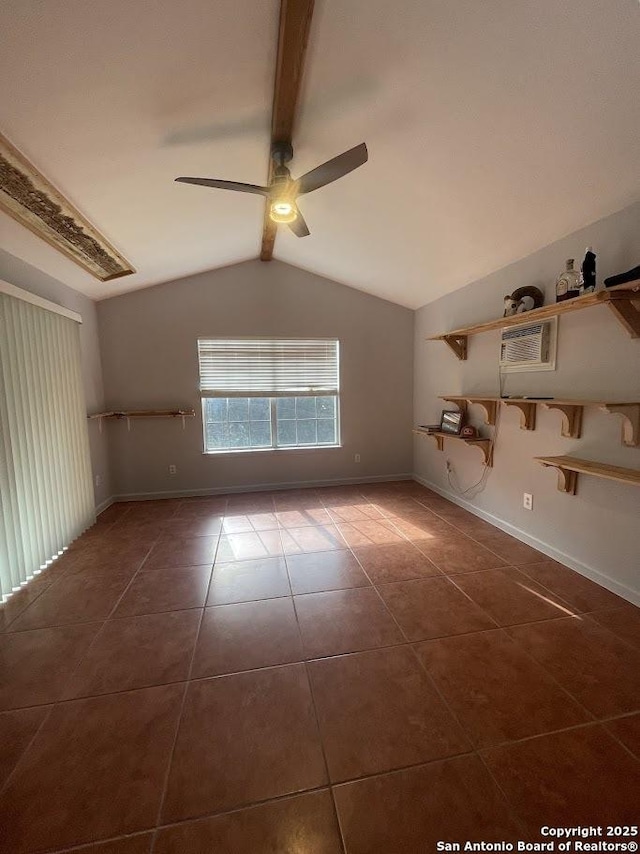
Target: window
260,394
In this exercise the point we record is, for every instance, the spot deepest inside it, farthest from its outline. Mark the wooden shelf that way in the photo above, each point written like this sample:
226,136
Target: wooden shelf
570,467
484,445
146,413
129,414
623,301
571,411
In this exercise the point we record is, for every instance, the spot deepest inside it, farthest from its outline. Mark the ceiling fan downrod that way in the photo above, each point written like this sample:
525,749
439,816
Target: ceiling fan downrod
281,153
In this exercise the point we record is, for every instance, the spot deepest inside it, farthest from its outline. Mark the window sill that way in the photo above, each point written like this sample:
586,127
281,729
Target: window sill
270,450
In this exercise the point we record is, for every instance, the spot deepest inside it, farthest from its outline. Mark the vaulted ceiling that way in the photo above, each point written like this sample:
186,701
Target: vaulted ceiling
493,128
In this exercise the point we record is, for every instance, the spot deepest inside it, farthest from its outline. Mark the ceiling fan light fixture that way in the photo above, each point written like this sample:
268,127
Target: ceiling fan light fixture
282,211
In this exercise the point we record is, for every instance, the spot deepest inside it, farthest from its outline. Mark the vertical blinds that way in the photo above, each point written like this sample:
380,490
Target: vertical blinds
268,367
46,494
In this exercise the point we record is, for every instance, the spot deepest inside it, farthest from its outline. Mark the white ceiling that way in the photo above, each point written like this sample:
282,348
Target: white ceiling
493,128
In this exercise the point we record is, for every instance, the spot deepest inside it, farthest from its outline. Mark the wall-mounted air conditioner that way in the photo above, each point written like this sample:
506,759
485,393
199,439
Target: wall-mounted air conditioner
530,347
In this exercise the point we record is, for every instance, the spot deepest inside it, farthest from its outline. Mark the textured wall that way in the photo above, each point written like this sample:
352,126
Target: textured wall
149,355
24,276
598,528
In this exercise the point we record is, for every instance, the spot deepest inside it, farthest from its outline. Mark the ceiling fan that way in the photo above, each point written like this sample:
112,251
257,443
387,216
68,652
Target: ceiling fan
283,191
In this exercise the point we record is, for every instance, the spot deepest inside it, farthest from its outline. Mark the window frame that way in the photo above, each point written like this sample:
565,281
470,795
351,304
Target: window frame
273,401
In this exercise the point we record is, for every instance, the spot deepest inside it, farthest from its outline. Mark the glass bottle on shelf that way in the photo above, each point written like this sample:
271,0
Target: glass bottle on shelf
568,283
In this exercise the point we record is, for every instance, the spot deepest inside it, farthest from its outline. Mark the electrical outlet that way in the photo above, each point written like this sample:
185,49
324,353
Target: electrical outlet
98,480
527,501
173,469
357,458
449,466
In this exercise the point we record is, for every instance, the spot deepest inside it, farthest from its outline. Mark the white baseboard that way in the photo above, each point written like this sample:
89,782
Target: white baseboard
588,571
257,487
100,508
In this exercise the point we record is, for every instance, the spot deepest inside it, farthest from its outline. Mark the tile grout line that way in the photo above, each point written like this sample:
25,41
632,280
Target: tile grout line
57,702
592,619
521,567
336,814
326,787
83,658
188,680
335,522
198,818
28,746
594,719
474,751
527,622
52,704
82,846
17,616
518,820
304,664
327,656
478,751
605,724
422,667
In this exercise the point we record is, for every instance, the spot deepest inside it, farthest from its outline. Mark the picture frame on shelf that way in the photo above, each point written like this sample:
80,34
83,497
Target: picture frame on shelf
451,421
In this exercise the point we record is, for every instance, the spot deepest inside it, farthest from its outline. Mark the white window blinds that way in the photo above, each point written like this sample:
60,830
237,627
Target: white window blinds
46,494
283,367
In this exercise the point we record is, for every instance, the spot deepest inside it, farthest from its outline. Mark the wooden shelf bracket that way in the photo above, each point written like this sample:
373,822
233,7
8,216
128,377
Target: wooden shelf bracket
484,445
490,406
458,343
460,402
527,412
627,311
630,413
490,409
567,479
571,417
487,449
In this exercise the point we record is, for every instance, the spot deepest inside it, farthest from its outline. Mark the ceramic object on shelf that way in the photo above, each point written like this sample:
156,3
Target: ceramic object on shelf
588,278
622,278
523,299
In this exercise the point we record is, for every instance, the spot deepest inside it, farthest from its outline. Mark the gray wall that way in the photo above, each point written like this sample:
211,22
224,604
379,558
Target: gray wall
598,530
149,356
24,276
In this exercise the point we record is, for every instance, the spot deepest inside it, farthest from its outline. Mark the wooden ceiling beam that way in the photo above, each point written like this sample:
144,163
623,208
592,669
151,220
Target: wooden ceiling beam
295,23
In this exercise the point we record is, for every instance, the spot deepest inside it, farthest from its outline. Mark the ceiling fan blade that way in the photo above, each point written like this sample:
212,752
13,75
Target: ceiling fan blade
299,227
248,124
226,185
333,169
238,127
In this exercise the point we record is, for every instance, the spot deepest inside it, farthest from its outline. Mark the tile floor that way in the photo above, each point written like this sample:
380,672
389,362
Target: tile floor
364,669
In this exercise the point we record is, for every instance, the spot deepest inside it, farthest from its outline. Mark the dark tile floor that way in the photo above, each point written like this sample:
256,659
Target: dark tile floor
363,670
